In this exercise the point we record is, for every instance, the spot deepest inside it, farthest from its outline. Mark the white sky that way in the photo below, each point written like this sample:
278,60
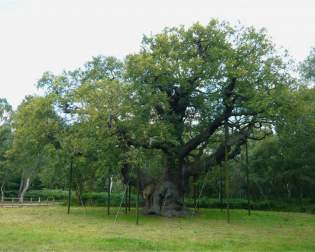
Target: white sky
42,35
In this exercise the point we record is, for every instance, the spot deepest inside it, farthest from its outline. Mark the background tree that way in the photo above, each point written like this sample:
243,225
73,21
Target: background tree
296,138
5,143
86,101
307,68
36,126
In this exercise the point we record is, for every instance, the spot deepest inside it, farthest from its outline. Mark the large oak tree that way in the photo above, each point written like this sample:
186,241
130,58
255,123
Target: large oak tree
173,99
196,80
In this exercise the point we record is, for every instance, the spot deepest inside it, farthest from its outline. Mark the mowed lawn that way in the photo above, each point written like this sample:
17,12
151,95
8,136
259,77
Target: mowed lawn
51,229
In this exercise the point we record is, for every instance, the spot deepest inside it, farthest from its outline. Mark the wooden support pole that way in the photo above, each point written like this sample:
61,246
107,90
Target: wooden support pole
247,180
221,187
108,195
195,192
183,185
126,199
138,196
227,182
129,198
70,184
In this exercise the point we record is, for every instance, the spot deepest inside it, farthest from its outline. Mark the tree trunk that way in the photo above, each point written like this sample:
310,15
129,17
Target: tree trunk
21,186
165,197
79,192
25,187
2,192
111,184
288,191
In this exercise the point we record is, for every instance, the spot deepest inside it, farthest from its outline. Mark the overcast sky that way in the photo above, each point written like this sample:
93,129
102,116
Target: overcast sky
41,35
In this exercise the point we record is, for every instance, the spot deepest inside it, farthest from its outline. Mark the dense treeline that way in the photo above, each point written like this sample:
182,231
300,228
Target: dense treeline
171,121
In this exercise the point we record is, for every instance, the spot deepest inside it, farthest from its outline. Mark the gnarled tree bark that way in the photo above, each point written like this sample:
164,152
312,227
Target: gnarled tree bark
2,191
25,186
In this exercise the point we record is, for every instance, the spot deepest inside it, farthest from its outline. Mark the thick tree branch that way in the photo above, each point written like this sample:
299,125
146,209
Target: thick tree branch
129,141
214,125
234,148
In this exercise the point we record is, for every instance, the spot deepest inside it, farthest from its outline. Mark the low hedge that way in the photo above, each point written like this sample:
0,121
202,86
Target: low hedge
100,199
56,194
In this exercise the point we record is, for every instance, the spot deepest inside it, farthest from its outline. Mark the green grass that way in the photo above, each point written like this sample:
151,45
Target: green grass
51,229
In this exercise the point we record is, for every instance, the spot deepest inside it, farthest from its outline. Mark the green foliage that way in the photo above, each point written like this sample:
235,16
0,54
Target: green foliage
285,162
198,64
6,136
35,137
307,68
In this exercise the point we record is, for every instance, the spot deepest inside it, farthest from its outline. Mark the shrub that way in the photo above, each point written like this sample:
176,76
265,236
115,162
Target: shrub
100,199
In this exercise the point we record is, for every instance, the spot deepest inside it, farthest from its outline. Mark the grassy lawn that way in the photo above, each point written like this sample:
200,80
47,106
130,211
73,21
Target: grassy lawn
51,229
